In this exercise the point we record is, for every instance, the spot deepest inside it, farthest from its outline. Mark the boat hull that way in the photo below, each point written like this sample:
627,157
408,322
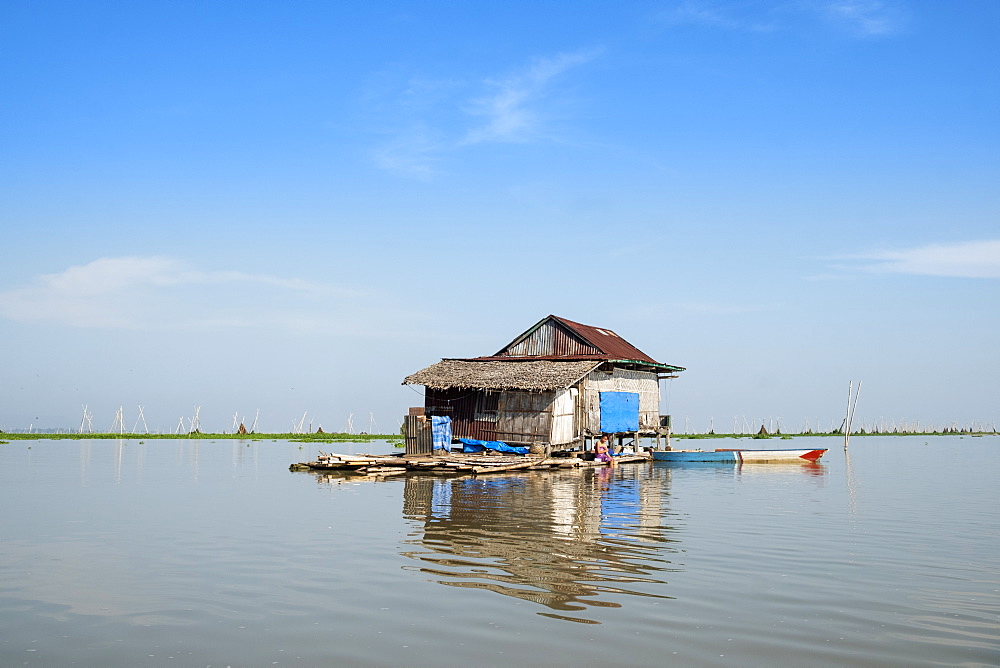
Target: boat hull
778,456
717,456
799,455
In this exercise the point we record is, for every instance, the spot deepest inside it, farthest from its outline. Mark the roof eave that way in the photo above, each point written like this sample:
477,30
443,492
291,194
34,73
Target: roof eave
664,368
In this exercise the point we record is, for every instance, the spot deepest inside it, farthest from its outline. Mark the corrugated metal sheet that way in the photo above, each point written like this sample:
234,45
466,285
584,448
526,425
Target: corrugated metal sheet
549,339
557,338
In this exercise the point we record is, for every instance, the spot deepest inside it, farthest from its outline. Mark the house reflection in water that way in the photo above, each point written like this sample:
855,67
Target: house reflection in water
564,540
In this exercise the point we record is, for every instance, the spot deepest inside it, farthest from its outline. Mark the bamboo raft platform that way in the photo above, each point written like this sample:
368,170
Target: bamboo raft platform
450,463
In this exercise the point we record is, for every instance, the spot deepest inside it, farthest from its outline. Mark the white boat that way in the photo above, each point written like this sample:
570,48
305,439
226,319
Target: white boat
738,456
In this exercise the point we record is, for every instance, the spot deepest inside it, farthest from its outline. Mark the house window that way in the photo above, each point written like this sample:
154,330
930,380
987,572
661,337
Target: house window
487,407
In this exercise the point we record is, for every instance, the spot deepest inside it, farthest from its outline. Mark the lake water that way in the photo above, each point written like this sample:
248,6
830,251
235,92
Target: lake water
198,553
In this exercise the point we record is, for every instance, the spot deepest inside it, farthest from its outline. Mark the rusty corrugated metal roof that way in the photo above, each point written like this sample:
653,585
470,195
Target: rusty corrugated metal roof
607,342
555,338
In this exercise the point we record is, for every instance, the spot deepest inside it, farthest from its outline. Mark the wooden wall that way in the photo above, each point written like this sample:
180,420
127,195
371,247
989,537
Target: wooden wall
525,417
643,383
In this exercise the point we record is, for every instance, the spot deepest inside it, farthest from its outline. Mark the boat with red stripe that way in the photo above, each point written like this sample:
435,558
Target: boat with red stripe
741,456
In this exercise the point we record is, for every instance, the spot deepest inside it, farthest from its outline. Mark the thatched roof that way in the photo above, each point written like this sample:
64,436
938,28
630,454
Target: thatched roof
534,375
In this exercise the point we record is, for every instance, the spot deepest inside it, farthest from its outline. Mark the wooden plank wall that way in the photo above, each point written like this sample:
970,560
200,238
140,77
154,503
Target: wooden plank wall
525,417
418,435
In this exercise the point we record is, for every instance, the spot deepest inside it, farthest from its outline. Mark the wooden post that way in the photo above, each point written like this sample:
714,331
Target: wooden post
850,413
847,416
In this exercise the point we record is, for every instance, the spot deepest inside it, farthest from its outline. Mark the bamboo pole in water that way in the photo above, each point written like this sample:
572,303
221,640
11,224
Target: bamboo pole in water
847,416
855,407
849,420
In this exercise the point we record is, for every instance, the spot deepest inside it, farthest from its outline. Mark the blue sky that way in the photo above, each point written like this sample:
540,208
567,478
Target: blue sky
291,206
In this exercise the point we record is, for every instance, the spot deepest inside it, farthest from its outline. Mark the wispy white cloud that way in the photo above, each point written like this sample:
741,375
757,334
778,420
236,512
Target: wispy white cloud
413,153
440,118
866,17
725,16
698,12
157,292
967,259
508,107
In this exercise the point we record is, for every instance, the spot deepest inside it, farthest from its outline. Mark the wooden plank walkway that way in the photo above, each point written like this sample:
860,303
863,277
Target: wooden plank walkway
454,463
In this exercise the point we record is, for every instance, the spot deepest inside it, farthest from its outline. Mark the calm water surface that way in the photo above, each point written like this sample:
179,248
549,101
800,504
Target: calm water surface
196,553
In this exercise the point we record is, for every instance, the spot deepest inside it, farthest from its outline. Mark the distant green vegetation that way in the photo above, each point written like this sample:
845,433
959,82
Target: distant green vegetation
946,432
299,438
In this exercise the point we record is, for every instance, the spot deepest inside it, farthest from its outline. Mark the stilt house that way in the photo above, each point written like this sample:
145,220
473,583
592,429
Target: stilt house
558,383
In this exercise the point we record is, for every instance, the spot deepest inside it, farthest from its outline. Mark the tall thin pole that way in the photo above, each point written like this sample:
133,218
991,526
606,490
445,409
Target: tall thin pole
854,408
847,416
849,420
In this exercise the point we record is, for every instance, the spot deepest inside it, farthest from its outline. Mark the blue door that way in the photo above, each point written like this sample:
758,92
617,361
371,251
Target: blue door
619,412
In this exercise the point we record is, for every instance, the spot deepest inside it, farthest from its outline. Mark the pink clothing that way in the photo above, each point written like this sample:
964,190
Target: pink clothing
602,453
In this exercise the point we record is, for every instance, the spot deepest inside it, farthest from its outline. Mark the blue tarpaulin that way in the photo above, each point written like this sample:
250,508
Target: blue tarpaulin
619,412
620,504
472,445
441,432
441,498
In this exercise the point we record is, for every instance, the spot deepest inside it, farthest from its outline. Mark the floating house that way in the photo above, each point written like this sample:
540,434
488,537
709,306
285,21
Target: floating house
557,384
